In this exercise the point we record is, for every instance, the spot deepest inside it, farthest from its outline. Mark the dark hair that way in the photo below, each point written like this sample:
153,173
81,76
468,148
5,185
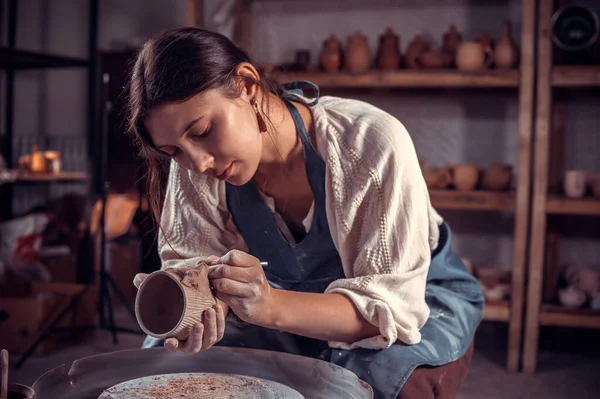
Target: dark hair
174,67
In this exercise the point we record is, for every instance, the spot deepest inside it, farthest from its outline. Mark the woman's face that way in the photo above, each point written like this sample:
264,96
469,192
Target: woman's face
210,134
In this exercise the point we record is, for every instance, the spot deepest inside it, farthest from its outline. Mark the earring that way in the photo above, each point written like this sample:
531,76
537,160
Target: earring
262,126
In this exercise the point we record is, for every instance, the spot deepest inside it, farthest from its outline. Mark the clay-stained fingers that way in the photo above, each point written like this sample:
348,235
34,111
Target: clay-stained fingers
210,329
234,288
172,344
220,316
241,274
194,342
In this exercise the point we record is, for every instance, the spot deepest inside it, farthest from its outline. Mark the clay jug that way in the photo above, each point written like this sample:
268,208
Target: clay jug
415,49
331,54
38,161
451,40
473,56
388,53
465,176
497,177
506,54
357,56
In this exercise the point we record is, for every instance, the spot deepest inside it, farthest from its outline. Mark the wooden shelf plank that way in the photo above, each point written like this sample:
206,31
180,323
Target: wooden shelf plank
557,204
473,200
553,315
496,311
48,178
406,78
576,76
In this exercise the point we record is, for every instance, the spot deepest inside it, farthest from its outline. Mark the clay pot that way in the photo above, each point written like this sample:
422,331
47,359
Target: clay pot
20,391
506,53
497,177
388,53
37,161
486,40
465,176
575,183
473,56
594,182
451,40
168,306
357,56
330,57
571,297
415,49
433,59
583,277
435,178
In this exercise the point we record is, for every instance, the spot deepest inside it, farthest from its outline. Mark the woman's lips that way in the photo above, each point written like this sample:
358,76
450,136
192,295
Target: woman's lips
225,174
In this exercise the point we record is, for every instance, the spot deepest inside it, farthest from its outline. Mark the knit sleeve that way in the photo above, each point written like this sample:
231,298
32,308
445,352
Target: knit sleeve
195,222
382,224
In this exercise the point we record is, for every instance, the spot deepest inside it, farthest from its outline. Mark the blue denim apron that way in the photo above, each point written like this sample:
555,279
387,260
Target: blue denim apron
453,295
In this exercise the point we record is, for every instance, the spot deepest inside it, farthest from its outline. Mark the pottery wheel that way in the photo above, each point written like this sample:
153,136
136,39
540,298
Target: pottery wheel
199,386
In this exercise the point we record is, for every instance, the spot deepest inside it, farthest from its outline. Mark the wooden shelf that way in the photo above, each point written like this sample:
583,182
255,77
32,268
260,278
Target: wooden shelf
496,311
473,200
49,178
566,206
406,78
576,76
553,315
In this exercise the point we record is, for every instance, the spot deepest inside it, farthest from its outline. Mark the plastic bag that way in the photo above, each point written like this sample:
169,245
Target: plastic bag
20,242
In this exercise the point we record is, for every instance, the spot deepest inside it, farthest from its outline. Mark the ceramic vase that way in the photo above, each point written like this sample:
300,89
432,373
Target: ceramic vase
450,42
415,49
506,53
331,54
388,53
357,55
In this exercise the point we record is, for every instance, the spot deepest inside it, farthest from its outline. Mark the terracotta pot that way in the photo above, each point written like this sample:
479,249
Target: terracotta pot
506,53
473,56
37,161
330,58
465,176
497,177
575,183
451,40
357,56
433,59
167,306
388,53
571,297
594,182
415,49
486,40
435,178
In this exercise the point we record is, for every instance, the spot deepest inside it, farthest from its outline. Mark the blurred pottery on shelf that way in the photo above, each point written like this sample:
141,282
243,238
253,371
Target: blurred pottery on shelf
465,176
497,177
388,53
575,183
417,47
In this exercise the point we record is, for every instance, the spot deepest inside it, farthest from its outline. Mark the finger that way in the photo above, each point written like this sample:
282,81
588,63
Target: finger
194,341
239,258
234,288
172,344
210,260
210,329
220,317
241,274
139,279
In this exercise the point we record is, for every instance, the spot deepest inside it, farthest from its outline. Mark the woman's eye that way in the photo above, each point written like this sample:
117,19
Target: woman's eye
200,135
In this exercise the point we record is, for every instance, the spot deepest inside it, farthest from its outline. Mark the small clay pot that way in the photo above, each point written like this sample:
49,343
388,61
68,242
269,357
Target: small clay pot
435,178
330,58
594,182
357,55
575,183
465,176
415,49
451,40
434,59
168,306
388,54
571,297
473,56
497,177
506,53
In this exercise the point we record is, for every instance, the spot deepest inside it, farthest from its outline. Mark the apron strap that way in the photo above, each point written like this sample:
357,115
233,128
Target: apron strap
297,87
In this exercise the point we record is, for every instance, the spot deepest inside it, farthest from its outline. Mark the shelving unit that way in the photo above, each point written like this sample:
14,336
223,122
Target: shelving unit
12,60
554,85
517,202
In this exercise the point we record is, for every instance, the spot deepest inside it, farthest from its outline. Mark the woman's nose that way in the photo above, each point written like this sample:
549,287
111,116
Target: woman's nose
200,161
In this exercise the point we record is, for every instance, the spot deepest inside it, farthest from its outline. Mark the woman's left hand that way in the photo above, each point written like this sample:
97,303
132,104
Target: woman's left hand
239,281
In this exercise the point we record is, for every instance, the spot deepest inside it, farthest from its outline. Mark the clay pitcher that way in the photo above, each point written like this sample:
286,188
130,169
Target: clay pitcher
506,54
357,56
417,47
473,56
388,53
331,54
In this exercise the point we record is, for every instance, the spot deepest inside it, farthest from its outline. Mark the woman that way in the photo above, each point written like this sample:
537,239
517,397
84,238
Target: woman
328,191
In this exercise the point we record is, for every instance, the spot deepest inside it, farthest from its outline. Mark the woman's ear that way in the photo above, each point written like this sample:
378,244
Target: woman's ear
249,76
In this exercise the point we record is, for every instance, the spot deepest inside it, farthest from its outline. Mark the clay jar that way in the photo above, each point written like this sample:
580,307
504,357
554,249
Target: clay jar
575,183
435,178
415,49
433,59
168,306
331,54
450,42
473,56
506,54
497,177
594,182
388,53
357,56
465,176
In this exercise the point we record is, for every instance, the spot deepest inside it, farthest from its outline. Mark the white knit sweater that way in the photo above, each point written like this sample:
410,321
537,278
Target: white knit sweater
380,217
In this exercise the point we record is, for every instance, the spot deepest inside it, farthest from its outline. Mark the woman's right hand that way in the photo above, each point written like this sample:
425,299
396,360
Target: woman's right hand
202,335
